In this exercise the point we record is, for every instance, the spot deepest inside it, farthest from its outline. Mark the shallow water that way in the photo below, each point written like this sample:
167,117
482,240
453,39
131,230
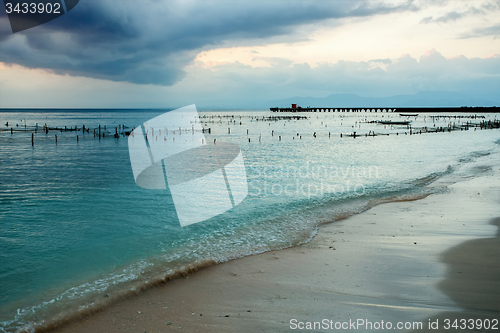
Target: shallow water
76,231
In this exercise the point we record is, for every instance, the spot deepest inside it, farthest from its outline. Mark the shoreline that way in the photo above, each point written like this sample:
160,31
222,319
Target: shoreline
382,264
65,318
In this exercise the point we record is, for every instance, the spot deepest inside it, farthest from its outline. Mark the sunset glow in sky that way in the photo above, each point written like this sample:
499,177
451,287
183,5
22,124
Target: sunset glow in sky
109,53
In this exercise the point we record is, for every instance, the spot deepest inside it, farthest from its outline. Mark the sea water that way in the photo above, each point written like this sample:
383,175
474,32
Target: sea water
77,233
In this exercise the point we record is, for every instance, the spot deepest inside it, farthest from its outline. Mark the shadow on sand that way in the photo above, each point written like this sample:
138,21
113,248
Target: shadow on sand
473,282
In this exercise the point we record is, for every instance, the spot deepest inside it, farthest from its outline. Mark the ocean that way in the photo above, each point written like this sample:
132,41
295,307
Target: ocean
77,233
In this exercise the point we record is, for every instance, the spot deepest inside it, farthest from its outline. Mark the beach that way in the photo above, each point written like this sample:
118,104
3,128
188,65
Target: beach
406,263
249,166
334,230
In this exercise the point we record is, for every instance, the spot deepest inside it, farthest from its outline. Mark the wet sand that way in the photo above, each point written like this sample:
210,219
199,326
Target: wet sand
434,258
473,281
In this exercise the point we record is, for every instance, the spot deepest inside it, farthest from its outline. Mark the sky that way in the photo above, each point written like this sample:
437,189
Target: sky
238,54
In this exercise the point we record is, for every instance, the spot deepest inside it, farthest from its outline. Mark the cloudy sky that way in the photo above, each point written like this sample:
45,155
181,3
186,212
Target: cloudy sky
166,53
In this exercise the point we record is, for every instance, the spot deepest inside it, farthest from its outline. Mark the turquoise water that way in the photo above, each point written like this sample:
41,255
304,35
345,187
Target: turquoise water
77,232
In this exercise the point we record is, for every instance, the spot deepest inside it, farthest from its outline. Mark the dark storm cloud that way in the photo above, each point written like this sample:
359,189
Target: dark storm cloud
149,42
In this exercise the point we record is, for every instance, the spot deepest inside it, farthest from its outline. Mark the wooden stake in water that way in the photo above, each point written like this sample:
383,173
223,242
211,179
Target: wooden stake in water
32,139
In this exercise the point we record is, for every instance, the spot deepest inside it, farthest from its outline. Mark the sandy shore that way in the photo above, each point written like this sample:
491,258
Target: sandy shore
430,259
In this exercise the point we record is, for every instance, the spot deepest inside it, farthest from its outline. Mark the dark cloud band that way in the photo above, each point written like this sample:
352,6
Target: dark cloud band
149,42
